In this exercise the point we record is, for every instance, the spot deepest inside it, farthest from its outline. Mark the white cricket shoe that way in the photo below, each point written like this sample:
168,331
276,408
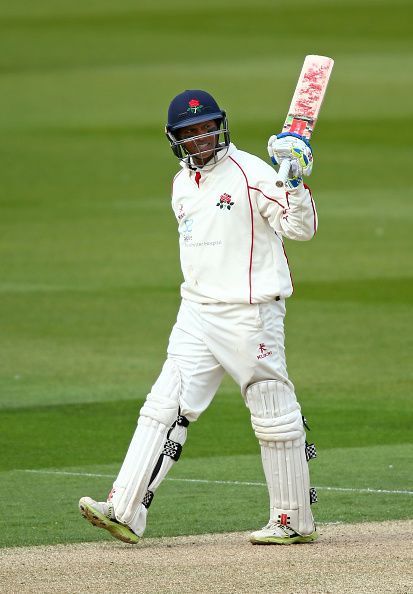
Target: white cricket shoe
276,533
100,514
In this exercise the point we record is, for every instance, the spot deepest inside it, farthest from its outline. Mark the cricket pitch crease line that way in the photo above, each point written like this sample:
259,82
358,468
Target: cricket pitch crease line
207,481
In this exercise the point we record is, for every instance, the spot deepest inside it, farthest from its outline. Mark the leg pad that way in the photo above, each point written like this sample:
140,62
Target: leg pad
278,424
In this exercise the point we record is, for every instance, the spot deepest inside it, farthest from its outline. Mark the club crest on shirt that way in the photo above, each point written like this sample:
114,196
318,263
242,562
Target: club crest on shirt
225,202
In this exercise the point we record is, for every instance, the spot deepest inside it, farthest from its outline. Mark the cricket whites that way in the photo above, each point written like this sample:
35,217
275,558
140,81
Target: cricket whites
306,102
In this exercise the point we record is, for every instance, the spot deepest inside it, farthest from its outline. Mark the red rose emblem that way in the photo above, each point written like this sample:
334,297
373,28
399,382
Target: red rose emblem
194,103
225,201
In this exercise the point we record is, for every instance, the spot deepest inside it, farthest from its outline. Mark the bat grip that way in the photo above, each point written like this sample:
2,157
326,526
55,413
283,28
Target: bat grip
283,173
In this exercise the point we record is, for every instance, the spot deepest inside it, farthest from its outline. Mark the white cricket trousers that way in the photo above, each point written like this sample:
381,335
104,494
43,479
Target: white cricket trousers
207,340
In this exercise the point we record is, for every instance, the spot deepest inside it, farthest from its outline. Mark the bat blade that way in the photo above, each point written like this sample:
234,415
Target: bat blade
308,96
306,103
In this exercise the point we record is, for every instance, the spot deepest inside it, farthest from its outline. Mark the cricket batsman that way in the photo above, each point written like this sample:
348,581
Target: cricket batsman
231,218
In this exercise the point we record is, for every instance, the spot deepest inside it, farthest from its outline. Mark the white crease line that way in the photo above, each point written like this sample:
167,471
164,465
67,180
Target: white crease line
367,490
244,483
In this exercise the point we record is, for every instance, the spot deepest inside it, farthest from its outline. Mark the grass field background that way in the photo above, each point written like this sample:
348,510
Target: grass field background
89,283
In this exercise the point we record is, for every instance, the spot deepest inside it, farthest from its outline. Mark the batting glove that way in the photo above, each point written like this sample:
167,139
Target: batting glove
294,147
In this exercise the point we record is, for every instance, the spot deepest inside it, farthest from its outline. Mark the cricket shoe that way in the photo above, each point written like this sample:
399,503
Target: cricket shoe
276,533
101,514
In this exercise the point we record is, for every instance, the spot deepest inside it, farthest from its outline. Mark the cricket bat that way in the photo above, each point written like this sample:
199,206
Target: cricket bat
306,103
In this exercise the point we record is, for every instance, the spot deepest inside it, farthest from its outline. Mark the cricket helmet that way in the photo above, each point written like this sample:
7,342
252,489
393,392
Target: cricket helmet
194,107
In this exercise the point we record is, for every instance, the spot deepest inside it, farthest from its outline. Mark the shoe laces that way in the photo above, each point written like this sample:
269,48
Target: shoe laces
107,509
275,525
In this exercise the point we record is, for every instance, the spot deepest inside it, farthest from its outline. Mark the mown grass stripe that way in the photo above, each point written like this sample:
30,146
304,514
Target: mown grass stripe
217,482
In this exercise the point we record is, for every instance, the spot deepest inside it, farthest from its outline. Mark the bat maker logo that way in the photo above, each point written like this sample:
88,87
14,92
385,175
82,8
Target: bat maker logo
284,519
264,352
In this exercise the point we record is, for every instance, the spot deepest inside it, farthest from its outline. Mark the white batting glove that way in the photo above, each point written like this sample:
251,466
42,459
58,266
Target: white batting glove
298,151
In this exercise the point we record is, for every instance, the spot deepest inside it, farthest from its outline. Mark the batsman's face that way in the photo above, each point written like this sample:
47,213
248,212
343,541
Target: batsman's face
202,141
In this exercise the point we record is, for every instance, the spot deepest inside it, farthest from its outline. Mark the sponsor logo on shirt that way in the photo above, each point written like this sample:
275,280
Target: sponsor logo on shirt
186,229
197,244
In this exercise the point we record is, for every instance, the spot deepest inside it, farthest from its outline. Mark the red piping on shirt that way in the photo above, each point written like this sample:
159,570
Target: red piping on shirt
282,243
265,196
288,264
173,181
313,206
252,226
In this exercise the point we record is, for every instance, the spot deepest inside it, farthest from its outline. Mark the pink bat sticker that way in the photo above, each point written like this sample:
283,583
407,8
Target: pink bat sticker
308,95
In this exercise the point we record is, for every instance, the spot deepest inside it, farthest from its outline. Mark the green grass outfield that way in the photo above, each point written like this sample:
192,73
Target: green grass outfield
89,265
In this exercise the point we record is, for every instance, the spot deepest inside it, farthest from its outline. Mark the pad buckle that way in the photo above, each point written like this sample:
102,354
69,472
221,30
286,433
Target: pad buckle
310,451
313,496
182,421
172,449
147,500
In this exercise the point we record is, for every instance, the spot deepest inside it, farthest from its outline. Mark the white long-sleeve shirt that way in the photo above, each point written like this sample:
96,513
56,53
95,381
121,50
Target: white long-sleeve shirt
231,219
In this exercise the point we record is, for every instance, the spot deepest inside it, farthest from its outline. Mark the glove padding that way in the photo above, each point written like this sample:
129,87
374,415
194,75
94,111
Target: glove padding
295,148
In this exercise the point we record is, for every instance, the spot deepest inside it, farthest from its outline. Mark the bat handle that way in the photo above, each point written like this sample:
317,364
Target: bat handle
283,172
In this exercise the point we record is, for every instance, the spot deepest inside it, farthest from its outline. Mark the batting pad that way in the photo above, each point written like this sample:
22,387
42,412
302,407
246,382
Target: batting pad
157,416
277,422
